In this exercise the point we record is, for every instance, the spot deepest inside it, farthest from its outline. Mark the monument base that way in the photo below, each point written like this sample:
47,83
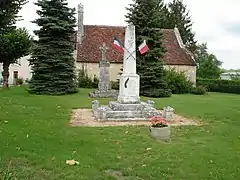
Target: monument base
104,94
117,111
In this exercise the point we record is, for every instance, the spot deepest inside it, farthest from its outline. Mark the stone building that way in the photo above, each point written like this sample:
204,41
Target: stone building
90,37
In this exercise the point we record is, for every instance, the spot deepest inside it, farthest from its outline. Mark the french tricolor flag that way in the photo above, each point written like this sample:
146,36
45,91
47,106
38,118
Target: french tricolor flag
118,44
143,48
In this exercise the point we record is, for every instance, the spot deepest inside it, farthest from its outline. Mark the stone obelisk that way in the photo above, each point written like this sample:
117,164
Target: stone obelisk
129,80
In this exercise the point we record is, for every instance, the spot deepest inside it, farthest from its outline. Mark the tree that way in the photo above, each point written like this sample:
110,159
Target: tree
9,13
208,66
14,45
179,17
145,16
52,60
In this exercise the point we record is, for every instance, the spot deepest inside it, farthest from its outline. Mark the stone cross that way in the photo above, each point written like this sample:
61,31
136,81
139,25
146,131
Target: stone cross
104,49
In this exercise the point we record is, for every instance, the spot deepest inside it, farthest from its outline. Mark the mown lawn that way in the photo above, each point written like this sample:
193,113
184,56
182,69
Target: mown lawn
35,135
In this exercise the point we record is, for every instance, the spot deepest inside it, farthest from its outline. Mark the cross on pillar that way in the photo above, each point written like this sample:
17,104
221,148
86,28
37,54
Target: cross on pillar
104,49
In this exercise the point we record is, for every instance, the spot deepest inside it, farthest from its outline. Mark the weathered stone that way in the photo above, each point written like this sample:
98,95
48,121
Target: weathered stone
168,113
128,107
129,80
104,86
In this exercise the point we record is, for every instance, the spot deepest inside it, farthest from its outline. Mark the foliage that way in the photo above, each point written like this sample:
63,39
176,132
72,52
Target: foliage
8,15
220,85
19,81
179,17
14,45
36,123
85,81
158,121
115,85
145,16
208,66
235,76
199,90
52,59
178,82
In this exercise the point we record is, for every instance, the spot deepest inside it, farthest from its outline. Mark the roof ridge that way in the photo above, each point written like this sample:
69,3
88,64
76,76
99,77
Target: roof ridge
103,26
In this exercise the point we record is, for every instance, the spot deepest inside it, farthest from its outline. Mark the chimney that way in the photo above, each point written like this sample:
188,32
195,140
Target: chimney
80,31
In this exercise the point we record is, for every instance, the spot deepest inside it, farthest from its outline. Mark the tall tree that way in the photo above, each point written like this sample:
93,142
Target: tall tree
179,17
52,59
145,16
14,43
208,66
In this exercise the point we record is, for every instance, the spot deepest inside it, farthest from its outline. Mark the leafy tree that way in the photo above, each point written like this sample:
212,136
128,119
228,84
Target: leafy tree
208,66
14,45
179,16
145,16
9,13
52,59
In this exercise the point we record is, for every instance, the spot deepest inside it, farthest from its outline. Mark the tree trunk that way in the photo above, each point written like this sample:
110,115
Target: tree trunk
5,74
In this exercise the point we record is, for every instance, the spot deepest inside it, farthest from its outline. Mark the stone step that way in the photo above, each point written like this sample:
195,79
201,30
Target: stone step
116,106
124,115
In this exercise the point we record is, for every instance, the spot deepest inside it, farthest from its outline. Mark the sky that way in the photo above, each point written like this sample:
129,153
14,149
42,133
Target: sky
216,22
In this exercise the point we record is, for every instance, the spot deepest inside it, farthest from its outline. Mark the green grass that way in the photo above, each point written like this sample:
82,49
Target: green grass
35,135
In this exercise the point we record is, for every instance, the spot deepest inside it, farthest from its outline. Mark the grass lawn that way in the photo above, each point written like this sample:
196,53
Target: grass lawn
35,135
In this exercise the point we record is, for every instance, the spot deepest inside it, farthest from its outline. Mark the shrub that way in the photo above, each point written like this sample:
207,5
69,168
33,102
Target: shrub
115,85
19,81
199,90
157,93
85,81
178,82
220,85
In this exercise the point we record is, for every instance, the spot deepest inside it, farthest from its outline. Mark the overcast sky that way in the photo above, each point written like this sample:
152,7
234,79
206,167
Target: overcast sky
216,22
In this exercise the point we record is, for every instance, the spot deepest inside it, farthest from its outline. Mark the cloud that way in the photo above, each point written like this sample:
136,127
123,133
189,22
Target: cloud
215,22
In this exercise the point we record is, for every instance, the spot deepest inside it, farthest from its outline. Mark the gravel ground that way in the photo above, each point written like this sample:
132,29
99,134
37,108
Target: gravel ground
84,117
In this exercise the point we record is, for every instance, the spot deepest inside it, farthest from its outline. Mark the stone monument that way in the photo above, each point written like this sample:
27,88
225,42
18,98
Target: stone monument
104,86
128,106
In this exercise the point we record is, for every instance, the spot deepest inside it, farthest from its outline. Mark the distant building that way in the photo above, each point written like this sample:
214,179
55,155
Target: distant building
229,75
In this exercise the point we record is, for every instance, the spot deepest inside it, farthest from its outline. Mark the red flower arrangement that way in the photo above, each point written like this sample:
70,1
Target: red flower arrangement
158,121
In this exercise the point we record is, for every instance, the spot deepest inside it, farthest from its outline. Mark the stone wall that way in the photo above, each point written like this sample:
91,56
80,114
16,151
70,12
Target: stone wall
93,69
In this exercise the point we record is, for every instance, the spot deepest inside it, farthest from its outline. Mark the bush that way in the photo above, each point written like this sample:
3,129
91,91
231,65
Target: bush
157,93
19,81
85,81
115,85
220,85
199,90
178,82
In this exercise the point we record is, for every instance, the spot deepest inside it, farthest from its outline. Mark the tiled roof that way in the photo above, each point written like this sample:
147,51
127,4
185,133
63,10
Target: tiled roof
95,36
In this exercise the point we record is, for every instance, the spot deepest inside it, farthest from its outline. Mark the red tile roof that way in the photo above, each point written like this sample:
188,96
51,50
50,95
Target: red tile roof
95,36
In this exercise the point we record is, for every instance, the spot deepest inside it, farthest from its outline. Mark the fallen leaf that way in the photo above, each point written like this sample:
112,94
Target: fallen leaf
144,165
126,132
117,142
27,135
5,122
72,162
53,158
18,148
148,149
119,157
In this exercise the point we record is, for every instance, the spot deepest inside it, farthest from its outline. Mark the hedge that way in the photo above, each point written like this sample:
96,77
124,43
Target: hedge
220,85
